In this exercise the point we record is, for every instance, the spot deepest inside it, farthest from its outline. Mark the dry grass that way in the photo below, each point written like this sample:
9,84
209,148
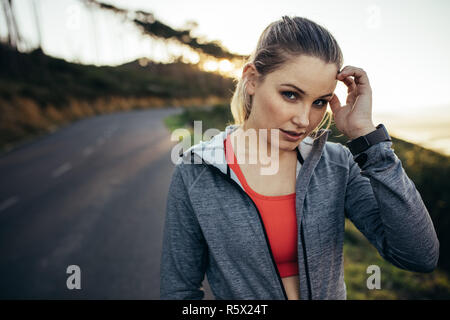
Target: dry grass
23,119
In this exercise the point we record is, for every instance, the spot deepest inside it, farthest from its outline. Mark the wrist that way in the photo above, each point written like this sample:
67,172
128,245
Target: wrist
360,131
363,142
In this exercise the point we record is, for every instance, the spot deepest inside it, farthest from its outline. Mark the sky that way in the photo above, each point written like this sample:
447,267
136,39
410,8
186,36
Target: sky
402,45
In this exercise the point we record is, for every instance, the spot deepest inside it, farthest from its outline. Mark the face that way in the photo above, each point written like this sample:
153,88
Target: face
292,98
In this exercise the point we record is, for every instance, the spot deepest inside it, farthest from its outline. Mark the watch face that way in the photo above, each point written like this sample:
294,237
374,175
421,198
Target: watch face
383,129
378,135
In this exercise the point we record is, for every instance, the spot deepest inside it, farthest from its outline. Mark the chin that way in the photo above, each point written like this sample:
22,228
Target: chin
288,145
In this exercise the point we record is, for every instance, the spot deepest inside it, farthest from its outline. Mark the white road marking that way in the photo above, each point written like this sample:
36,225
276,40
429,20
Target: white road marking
8,203
61,169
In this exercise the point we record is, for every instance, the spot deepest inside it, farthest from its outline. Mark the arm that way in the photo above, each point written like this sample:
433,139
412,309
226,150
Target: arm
184,250
385,206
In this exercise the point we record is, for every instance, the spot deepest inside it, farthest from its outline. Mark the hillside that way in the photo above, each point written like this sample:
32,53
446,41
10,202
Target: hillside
39,92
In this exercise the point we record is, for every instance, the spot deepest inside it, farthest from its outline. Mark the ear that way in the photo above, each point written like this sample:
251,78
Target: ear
250,74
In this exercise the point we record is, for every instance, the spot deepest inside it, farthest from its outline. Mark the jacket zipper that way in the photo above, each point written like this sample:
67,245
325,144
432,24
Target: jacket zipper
308,282
262,224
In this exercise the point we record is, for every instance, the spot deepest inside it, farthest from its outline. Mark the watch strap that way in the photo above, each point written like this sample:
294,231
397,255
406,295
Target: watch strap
363,143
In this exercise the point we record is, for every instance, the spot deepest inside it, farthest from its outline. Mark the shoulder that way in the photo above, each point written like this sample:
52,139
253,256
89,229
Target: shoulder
188,168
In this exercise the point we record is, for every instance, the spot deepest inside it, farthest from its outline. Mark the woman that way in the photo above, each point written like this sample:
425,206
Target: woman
280,235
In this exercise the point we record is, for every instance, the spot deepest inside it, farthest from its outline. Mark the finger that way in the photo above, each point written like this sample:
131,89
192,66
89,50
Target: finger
335,104
352,90
350,83
359,74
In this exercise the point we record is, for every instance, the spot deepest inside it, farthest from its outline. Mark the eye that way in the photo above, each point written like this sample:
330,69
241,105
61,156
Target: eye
323,104
289,94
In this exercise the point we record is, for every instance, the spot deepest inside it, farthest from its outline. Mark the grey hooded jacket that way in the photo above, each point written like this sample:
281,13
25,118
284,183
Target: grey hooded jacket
212,226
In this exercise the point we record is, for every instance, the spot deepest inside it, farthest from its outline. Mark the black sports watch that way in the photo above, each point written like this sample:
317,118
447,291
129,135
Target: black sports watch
363,143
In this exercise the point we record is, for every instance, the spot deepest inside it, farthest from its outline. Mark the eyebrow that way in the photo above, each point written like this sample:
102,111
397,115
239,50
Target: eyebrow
303,92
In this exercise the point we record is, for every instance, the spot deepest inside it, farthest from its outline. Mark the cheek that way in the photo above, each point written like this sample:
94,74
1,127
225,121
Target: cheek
275,110
270,108
315,116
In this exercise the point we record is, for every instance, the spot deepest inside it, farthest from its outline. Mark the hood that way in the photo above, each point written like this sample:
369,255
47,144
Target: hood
212,152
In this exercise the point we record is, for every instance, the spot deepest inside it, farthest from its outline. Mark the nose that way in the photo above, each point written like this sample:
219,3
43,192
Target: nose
301,117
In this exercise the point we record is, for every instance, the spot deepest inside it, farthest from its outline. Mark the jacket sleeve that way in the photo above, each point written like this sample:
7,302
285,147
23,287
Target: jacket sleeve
184,250
384,204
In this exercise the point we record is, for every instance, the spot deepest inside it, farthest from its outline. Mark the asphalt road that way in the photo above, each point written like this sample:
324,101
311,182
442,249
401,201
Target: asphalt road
92,194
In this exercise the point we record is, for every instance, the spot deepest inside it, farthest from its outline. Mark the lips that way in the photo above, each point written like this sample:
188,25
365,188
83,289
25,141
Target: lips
292,136
293,133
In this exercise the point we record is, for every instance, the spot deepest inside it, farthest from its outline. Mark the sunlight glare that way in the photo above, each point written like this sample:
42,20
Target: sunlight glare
225,66
210,65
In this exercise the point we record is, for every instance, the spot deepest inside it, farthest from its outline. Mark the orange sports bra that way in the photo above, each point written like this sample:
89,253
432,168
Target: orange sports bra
279,218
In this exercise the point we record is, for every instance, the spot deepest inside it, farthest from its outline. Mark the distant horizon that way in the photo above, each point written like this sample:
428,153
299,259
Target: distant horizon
430,131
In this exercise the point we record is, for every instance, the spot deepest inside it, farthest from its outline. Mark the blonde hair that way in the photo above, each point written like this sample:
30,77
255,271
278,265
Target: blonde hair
280,41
